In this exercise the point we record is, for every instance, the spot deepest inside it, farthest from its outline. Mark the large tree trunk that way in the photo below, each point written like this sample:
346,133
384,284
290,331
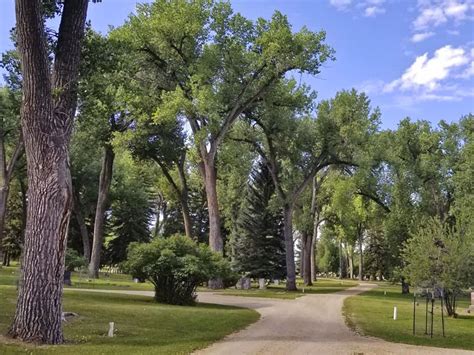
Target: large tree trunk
313,258
350,259
307,255
290,253
46,125
99,222
215,238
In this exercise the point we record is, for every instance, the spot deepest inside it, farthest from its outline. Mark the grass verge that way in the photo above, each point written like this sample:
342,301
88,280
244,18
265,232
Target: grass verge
143,326
278,291
371,313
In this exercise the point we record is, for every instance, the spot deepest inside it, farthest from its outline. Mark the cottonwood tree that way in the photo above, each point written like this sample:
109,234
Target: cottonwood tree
105,113
164,143
48,107
296,147
215,64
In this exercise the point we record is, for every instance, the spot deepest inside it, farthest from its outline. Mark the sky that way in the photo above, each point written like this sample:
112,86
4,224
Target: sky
413,58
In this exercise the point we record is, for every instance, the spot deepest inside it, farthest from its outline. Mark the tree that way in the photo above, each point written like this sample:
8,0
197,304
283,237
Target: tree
106,114
48,107
296,147
130,211
258,245
214,65
164,144
440,256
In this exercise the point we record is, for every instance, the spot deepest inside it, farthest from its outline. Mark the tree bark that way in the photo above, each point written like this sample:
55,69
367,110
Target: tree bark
290,252
46,126
307,255
313,257
350,258
99,222
215,238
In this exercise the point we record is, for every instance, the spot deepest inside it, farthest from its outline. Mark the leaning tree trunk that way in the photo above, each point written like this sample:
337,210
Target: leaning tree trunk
307,255
290,252
46,126
105,180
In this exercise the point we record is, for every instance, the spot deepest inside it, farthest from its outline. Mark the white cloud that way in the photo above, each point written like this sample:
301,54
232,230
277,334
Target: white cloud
453,32
371,86
433,13
340,4
372,11
466,74
427,73
419,37
371,8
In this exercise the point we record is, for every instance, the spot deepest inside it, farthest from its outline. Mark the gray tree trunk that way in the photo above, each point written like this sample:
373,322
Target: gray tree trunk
99,222
290,252
46,125
307,255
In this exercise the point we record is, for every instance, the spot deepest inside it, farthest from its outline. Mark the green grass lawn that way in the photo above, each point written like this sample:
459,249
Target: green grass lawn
10,275
143,326
371,313
278,291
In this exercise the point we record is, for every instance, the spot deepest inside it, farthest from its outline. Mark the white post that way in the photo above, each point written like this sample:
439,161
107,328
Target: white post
394,313
111,329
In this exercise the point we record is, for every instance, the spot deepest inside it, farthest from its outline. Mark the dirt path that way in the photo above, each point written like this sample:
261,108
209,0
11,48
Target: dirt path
312,324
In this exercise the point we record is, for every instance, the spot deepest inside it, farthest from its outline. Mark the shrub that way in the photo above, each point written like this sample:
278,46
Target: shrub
175,266
73,260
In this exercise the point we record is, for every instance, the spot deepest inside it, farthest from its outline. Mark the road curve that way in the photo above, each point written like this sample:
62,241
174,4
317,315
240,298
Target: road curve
312,324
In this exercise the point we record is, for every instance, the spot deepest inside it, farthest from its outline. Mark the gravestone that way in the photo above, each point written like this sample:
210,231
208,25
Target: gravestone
243,283
262,284
471,307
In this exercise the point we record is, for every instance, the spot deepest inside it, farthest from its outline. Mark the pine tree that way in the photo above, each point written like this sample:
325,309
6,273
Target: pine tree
258,243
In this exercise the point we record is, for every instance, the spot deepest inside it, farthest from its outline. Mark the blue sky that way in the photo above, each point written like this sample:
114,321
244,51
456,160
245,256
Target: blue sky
413,58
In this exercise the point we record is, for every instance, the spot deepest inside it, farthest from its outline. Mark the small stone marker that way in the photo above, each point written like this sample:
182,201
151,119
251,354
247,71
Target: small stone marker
394,313
111,329
261,284
276,282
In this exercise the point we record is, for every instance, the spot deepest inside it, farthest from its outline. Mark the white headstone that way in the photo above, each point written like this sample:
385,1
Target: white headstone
261,284
111,329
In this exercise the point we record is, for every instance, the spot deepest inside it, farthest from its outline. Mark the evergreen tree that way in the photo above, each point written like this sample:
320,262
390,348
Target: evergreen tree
258,243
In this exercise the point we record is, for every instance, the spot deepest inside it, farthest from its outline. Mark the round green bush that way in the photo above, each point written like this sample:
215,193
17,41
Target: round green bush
175,266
